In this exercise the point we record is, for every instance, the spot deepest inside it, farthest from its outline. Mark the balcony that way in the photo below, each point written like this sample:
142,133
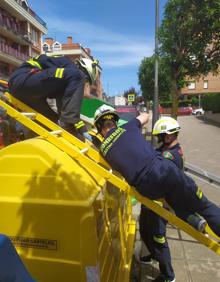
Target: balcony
5,48
12,26
31,12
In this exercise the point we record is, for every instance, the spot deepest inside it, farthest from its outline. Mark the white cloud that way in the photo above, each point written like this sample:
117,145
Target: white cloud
111,48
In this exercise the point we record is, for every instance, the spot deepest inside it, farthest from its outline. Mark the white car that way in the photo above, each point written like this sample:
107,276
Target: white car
197,112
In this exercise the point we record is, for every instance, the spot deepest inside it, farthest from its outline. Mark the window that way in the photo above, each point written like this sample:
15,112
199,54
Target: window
46,47
35,37
191,85
56,46
205,84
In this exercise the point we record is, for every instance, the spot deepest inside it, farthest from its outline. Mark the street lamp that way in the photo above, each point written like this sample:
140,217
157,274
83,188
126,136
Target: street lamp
156,67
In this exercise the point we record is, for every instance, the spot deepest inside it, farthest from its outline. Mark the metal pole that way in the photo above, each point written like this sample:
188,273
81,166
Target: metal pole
156,67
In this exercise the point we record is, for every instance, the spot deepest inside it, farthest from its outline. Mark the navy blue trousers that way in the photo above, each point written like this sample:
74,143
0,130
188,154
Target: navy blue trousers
180,191
153,233
37,87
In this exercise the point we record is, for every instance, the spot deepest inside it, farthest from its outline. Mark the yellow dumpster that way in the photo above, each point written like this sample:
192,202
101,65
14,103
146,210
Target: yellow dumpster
65,221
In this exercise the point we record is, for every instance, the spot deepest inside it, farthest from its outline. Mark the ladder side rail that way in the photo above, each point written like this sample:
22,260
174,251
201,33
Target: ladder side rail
116,181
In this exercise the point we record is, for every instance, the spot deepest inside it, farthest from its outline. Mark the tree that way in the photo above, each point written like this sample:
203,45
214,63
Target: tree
146,78
131,90
190,40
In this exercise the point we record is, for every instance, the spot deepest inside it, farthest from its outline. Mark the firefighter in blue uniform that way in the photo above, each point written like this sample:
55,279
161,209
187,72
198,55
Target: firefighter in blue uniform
155,177
152,227
45,77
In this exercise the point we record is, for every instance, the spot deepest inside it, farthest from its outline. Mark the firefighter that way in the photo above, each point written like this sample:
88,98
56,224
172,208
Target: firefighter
153,227
167,129
155,177
44,77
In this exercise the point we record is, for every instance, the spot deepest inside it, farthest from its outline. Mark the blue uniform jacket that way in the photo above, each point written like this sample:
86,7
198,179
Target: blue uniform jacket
128,141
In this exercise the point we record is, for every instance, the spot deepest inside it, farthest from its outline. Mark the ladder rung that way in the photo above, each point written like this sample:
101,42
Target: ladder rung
56,132
83,151
29,114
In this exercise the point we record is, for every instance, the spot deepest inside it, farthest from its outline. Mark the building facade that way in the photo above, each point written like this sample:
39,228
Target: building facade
21,31
204,85
117,100
73,51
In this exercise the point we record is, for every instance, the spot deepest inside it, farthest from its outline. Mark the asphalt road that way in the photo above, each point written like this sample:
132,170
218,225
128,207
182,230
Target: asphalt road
201,143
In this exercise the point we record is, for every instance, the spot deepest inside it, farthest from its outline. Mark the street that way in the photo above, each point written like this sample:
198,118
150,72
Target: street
200,141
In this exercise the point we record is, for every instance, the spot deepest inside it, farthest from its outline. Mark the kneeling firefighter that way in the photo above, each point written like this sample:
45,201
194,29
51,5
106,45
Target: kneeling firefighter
57,78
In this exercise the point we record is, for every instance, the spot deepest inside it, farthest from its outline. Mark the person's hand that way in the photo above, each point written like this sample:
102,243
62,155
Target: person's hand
143,118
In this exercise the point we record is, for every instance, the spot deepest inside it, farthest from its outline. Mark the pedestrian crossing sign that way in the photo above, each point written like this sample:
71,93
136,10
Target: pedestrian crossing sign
131,97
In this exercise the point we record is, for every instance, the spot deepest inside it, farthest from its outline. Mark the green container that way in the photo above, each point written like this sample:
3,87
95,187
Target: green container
89,106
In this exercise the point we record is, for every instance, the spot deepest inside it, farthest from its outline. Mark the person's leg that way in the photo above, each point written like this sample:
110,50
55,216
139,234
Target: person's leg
161,248
70,102
165,180
185,197
145,229
208,210
37,88
153,233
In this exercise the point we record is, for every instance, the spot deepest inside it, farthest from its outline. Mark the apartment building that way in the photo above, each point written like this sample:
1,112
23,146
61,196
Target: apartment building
204,85
21,31
73,51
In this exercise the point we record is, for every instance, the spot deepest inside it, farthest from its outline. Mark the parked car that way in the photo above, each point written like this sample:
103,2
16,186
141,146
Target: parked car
184,111
197,112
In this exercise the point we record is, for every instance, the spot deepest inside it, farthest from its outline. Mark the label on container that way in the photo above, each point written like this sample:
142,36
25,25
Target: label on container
38,243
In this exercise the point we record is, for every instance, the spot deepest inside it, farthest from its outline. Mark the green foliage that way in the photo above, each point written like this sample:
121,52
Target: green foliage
195,101
190,40
211,102
146,78
168,104
190,37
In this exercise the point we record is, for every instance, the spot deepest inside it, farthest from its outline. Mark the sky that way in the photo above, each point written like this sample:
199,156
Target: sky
120,33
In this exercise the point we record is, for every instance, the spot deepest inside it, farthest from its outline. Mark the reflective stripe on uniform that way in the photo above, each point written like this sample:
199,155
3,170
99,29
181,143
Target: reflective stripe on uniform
34,63
159,239
59,72
79,124
199,193
158,202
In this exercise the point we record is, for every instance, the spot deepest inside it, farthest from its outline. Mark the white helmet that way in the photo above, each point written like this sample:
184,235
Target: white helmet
105,112
166,125
90,67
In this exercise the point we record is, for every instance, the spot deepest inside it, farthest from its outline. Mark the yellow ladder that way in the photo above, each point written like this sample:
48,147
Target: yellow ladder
86,155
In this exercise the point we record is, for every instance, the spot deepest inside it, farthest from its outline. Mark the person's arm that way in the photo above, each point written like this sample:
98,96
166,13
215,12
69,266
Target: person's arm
143,118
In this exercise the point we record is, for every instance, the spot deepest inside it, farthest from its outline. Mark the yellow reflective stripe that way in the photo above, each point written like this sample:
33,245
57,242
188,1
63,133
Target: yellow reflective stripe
59,72
199,193
34,64
159,203
160,240
79,124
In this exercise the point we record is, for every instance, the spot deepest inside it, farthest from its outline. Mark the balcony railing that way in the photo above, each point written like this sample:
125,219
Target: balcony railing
31,12
5,48
10,24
